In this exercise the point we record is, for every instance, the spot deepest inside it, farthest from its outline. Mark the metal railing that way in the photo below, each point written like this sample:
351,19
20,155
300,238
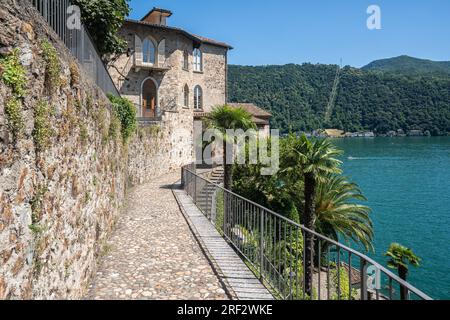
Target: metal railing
273,248
78,41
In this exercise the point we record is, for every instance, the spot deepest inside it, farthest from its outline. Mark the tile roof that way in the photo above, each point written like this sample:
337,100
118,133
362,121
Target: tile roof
252,109
189,35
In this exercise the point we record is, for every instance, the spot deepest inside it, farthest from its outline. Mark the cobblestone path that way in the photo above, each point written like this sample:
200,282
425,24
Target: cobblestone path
153,254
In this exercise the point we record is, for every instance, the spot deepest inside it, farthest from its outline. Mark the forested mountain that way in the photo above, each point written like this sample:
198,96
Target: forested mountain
410,65
297,96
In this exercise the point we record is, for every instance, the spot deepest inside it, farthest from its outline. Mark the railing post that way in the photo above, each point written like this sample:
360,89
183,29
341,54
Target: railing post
225,211
363,275
195,189
182,177
261,246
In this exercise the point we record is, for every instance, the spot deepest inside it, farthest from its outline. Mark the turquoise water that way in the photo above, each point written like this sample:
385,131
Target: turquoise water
407,183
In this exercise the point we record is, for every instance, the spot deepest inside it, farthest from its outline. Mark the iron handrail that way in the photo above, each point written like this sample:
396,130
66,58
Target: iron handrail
351,251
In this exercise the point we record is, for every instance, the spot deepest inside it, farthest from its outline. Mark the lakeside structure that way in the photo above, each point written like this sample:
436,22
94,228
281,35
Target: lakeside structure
174,77
335,133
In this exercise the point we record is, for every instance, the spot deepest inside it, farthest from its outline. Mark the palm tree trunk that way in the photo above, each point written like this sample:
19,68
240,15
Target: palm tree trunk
403,274
308,221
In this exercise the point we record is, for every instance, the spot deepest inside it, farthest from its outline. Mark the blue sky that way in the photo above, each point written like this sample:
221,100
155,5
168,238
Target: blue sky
317,31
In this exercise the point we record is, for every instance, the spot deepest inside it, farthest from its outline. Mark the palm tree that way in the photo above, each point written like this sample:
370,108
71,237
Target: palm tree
338,215
315,160
223,118
400,258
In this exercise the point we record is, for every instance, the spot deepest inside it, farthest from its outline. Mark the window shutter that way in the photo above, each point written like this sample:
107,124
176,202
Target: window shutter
138,51
162,53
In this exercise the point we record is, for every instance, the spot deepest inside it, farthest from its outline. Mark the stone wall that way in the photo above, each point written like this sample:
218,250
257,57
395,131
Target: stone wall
171,82
65,170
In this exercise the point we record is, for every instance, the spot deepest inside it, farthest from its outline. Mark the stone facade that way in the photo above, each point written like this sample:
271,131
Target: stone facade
58,204
169,72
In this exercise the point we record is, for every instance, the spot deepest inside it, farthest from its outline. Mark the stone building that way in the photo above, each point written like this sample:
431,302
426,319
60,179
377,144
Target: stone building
174,77
167,69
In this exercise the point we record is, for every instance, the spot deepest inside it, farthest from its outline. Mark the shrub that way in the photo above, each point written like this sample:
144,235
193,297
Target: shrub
344,281
126,113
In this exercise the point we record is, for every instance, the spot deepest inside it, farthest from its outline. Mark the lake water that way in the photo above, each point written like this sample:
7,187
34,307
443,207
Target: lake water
407,183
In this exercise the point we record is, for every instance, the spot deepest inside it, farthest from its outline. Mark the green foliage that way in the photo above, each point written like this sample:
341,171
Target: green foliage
219,210
297,96
337,213
36,209
14,74
410,66
226,117
341,280
13,112
400,256
43,131
84,135
103,19
114,127
223,118
126,112
52,65
316,157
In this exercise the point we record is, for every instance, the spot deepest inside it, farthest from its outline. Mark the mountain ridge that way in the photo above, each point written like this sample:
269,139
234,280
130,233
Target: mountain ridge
379,101
409,65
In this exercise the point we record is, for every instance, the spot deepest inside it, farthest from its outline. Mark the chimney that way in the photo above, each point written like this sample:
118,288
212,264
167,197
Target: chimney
157,16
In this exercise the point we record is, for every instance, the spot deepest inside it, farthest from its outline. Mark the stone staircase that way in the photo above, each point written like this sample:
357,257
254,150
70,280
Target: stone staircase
206,193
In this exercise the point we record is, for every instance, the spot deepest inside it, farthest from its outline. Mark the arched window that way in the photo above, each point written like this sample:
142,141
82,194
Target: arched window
148,51
186,60
186,96
198,98
198,60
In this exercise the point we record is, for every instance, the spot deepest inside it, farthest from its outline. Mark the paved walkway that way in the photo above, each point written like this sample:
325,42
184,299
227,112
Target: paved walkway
238,278
153,254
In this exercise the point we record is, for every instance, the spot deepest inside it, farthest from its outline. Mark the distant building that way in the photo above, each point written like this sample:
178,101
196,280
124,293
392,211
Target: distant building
259,116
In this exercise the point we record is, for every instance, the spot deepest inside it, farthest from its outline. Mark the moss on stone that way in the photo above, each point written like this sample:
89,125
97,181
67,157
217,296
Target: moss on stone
74,74
43,131
84,135
14,74
52,65
13,112
114,127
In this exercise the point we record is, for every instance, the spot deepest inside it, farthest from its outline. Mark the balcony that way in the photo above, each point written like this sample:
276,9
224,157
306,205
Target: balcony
139,65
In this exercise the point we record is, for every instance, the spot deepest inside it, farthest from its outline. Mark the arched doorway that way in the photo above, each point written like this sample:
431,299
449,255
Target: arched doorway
149,99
